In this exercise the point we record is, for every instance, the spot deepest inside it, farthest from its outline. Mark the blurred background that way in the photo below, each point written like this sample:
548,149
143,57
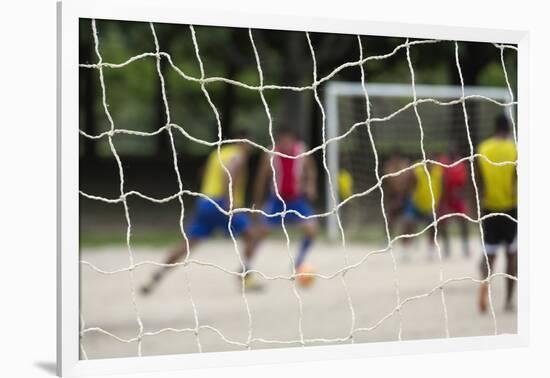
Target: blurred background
135,102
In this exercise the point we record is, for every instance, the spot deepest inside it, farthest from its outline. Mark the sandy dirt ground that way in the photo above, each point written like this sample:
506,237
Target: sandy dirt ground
106,300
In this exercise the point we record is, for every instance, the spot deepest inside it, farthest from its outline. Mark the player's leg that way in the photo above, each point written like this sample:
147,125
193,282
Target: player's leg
309,228
392,209
176,255
443,233
512,270
511,259
251,235
261,226
179,253
464,236
410,219
201,226
461,207
263,223
492,237
485,265
413,216
443,226
431,238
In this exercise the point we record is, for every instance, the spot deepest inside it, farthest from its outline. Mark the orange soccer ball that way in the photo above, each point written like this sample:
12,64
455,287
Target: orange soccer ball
303,278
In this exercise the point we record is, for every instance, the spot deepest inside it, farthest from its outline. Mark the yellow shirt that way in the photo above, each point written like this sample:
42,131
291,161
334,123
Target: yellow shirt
421,197
499,182
215,180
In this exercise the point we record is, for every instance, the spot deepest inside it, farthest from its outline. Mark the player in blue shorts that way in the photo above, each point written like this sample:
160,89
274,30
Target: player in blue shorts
208,217
296,181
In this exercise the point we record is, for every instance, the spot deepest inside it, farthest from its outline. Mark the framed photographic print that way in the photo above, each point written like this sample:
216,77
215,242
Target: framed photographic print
239,189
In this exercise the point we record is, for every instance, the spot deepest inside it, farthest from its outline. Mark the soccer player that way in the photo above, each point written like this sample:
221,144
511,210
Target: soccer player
499,195
296,181
208,217
453,198
418,208
396,188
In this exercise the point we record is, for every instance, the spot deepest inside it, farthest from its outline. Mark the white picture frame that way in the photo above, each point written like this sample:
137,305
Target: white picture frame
69,12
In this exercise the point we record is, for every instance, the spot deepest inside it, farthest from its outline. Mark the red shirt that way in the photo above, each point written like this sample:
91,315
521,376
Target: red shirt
454,178
288,172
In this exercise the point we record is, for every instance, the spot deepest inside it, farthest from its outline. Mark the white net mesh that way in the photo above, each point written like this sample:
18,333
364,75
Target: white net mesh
372,184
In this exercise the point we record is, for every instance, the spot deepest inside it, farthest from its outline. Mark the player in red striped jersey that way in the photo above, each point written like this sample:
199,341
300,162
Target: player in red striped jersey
296,181
453,199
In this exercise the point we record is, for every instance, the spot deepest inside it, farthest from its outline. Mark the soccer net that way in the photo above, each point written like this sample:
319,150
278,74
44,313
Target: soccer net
395,126
388,109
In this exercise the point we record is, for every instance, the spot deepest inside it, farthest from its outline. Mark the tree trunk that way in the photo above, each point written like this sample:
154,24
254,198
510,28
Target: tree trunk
161,116
228,103
471,66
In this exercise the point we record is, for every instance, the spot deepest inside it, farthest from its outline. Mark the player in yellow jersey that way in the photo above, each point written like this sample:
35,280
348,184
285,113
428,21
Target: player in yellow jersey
208,217
498,195
419,205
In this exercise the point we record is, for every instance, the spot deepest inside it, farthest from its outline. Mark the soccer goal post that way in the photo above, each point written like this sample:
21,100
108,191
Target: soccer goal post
394,126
